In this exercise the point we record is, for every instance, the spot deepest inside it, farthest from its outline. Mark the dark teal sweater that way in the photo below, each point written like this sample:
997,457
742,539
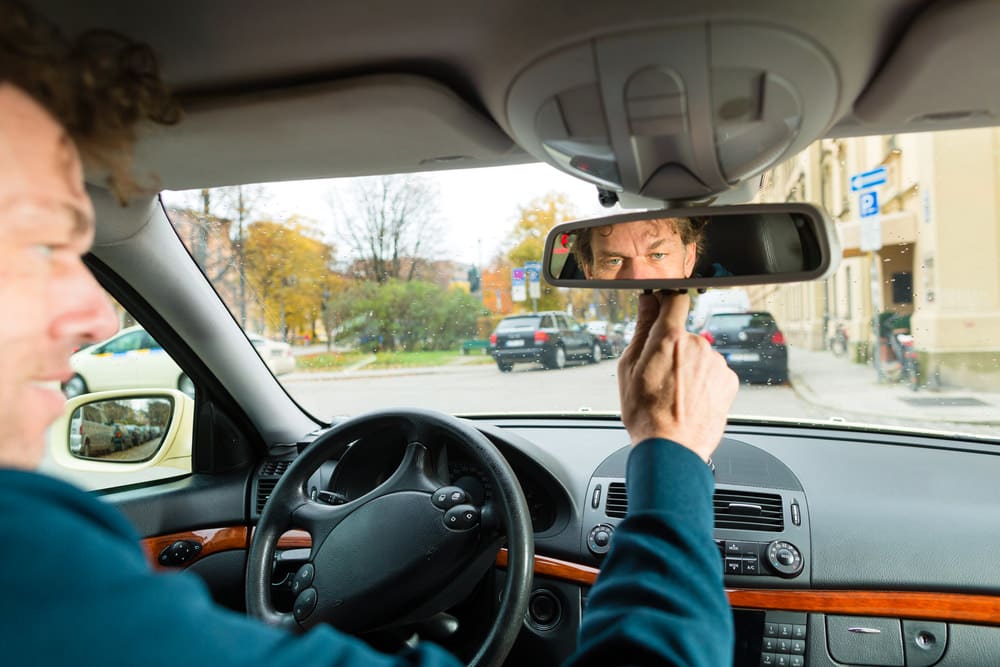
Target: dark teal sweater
75,587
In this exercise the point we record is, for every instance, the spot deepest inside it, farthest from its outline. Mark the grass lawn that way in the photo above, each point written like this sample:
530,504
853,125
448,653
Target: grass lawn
328,361
415,359
333,361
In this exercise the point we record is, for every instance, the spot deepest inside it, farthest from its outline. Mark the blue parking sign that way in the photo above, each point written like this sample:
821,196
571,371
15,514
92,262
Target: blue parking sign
868,203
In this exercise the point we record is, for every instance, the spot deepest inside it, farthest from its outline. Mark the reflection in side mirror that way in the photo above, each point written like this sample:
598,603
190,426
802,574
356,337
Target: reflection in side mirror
694,247
126,430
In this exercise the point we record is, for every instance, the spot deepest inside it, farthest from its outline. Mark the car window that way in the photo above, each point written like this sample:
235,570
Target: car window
517,323
734,323
298,266
123,343
120,436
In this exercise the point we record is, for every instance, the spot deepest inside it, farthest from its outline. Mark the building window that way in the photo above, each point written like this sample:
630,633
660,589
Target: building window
902,287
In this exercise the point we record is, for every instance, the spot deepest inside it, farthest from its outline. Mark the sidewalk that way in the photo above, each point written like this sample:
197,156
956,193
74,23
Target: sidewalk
840,386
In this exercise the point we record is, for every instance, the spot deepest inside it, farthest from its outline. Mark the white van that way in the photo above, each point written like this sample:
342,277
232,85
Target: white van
733,300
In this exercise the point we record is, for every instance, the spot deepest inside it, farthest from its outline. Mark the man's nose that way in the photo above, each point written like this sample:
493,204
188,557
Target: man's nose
88,316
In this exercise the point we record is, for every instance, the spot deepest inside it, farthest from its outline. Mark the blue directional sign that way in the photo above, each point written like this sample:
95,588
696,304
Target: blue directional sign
869,179
868,204
534,273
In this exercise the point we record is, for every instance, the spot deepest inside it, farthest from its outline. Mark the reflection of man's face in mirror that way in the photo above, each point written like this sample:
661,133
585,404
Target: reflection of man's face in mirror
645,249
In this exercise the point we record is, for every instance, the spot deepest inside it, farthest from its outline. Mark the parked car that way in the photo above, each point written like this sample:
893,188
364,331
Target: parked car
550,338
752,343
133,359
276,354
611,339
97,438
129,359
629,332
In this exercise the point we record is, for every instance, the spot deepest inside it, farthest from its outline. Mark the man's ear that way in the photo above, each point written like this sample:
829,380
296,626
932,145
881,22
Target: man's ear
586,271
690,257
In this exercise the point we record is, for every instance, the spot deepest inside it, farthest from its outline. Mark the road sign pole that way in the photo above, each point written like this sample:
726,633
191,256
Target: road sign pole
876,299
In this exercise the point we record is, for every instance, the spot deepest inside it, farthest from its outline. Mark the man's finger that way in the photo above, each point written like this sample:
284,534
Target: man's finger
677,306
649,310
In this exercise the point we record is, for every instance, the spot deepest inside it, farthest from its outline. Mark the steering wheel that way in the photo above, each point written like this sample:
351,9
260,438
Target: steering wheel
411,547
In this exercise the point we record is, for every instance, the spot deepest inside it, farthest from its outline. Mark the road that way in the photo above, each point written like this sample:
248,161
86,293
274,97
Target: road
464,389
484,389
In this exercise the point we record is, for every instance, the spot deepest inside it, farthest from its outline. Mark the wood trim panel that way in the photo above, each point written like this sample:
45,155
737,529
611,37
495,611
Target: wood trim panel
948,607
214,540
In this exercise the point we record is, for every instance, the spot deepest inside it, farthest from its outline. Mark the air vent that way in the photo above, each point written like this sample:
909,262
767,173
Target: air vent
270,472
746,510
741,510
617,503
275,468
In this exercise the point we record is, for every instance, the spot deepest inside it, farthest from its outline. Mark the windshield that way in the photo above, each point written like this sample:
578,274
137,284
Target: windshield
418,290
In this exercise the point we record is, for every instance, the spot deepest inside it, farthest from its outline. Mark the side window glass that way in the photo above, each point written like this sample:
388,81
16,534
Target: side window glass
129,438
547,322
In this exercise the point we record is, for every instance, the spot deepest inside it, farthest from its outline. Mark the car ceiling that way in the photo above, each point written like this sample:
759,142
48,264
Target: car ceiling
307,89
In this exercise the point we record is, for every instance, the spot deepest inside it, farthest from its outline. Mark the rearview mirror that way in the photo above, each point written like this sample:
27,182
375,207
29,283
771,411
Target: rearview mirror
693,247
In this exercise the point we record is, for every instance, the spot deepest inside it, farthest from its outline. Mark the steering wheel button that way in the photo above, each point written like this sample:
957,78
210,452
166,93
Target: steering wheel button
449,496
461,517
303,578
304,604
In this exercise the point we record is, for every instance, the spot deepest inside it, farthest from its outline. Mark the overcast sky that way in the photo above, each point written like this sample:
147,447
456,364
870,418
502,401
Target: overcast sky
478,207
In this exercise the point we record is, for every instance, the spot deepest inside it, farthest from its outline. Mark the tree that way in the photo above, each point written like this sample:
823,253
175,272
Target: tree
527,240
289,269
389,224
406,315
213,228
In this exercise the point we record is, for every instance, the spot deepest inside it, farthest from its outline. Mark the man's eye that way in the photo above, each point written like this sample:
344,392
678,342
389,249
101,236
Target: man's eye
613,261
44,250
656,256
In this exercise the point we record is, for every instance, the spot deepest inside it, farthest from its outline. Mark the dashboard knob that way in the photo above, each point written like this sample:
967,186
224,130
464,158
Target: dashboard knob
785,558
599,539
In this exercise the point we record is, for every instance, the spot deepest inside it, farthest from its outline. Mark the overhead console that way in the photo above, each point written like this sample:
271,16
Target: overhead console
676,114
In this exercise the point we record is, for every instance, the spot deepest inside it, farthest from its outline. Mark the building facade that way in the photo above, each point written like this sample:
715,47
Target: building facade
937,263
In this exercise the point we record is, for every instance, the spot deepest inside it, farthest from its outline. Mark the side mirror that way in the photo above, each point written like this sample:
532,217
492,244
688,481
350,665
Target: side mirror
124,430
693,247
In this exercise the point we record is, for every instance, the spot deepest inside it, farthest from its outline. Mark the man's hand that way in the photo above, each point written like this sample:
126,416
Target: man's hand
671,383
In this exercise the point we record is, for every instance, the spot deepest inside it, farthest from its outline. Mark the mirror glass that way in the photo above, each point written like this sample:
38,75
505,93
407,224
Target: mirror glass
728,246
126,430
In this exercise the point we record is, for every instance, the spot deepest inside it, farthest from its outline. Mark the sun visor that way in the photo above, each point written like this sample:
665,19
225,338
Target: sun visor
680,113
943,74
337,129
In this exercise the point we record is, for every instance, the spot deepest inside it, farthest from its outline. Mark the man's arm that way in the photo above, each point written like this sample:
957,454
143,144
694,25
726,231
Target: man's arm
659,599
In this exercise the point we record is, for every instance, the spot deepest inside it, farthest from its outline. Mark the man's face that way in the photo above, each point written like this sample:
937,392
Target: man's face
49,302
639,250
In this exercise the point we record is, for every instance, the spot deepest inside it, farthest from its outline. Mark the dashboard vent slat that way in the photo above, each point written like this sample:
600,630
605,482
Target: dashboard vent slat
749,510
739,510
264,489
617,502
270,473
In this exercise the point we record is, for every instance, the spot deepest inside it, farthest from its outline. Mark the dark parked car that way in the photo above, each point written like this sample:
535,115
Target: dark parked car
752,344
550,338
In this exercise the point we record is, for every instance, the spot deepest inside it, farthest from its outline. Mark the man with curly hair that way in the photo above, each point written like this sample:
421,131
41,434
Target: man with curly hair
77,587
639,250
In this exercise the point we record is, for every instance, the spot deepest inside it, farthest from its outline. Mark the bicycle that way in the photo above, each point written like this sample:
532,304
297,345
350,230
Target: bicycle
838,341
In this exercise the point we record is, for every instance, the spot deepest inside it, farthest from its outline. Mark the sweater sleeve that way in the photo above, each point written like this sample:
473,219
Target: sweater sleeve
659,599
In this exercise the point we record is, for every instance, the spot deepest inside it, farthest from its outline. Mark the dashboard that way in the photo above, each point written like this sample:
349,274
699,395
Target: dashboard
838,546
